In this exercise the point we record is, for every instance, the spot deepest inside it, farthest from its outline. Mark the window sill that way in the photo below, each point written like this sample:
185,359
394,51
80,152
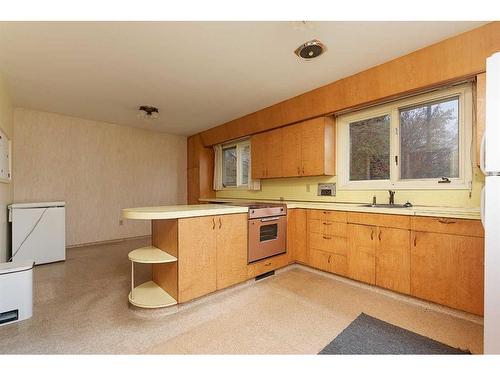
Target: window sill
422,185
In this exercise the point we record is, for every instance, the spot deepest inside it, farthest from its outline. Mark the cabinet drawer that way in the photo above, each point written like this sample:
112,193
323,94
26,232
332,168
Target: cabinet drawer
327,227
381,220
462,227
331,244
266,265
330,215
329,262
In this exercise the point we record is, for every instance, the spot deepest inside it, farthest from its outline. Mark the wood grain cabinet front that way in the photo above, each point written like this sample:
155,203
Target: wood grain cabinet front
303,149
212,254
296,239
361,252
448,269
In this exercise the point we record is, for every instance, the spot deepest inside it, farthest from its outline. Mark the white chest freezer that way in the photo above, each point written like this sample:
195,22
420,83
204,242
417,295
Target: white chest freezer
38,231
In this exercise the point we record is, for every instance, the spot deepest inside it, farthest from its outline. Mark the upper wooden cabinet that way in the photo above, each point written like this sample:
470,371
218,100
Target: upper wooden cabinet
303,149
266,154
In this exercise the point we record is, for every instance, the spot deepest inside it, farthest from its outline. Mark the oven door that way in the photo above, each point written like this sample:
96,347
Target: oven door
266,237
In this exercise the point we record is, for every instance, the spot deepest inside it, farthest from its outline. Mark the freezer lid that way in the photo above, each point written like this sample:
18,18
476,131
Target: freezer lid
19,266
36,205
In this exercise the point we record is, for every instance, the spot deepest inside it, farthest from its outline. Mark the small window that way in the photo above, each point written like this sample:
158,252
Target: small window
235,164
229,169
421,142
429,140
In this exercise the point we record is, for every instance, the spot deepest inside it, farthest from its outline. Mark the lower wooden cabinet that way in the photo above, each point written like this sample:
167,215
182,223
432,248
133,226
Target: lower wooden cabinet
392,269
212,254
361,252
231,249
296,236
329,262
448,269
197,260
266,265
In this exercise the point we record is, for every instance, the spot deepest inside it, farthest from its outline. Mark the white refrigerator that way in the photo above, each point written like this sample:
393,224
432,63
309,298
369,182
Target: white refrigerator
490,207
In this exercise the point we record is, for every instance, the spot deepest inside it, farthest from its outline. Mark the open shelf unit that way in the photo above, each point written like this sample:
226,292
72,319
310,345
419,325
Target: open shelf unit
161,291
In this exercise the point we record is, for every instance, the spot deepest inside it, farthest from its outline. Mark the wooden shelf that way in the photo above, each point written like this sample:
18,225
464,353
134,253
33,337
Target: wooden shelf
150,254
150,296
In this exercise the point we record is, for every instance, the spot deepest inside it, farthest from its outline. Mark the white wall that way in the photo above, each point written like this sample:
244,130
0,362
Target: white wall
5,189
98,169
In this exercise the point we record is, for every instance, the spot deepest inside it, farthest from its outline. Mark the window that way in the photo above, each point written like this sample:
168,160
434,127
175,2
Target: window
408,144
235,164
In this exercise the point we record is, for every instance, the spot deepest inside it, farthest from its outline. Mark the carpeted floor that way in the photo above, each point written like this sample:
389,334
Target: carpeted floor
80,306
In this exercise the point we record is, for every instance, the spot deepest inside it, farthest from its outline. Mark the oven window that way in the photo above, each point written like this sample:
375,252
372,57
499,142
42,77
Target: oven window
268,232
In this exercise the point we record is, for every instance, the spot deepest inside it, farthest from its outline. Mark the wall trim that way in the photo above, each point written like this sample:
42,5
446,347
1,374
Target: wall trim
107,242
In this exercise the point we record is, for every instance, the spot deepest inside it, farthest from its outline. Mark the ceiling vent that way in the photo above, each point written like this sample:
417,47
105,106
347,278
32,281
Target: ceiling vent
310,50
147,112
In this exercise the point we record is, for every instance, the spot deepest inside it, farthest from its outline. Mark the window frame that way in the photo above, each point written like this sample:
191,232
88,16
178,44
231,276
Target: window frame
465,124
239,163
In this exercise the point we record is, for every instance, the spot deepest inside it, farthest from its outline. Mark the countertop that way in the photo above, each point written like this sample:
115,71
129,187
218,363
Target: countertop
180,211
450,212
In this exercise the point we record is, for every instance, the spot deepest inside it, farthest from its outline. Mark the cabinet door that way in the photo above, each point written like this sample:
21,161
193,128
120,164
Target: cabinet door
296,240
273,153
258,151
448,269
232,240
197,257
320,260
292,155
393,259
361,252
313,150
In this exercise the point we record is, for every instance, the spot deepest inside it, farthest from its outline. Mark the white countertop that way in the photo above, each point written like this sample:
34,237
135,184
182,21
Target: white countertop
451,212
180,211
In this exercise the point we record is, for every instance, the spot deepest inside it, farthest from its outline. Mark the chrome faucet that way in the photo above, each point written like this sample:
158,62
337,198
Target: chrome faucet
391,196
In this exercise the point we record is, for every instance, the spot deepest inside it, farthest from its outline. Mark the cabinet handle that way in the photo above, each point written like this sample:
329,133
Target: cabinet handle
298,170
302,170
415,240
325,223
379,235
213,223
372,235
329,257
446,221
267,264
220,223
327,238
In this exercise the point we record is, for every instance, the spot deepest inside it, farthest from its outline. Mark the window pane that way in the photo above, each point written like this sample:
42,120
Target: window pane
229,166
369,149
429,140
245,157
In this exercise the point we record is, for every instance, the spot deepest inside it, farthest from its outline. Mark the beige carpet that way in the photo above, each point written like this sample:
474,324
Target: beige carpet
81,307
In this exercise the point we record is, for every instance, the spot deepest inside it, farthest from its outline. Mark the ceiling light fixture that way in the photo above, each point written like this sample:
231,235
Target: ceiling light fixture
148,112
310,50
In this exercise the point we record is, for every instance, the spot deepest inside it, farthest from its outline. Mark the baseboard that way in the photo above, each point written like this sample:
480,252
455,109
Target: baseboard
109,241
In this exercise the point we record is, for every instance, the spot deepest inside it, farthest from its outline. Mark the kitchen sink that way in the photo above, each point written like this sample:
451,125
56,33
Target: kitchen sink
386,205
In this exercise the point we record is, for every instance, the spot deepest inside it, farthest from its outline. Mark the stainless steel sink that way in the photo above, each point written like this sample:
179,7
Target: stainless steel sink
385,205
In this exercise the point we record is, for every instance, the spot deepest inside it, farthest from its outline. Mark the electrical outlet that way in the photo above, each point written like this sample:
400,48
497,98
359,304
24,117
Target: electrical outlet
121,222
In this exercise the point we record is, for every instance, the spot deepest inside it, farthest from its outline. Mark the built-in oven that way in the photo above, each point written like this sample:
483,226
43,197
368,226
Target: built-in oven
266,231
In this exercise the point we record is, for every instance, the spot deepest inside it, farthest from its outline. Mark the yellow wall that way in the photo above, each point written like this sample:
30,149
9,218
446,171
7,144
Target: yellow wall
5,188
296,189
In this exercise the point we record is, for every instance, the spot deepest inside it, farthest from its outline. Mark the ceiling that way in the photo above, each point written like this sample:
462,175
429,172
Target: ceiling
199,74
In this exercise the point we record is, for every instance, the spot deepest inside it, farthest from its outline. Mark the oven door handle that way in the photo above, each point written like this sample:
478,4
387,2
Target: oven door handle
270,219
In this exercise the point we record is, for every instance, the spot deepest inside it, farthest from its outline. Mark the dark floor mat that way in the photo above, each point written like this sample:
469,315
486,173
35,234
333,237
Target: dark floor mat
368,335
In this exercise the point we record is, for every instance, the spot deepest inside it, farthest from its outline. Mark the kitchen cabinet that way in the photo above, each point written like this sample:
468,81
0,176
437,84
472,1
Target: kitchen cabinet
212,254
303,149
231,249
266,152
361,252
448,269
266,265
392,269
296,240
197,257
327,240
